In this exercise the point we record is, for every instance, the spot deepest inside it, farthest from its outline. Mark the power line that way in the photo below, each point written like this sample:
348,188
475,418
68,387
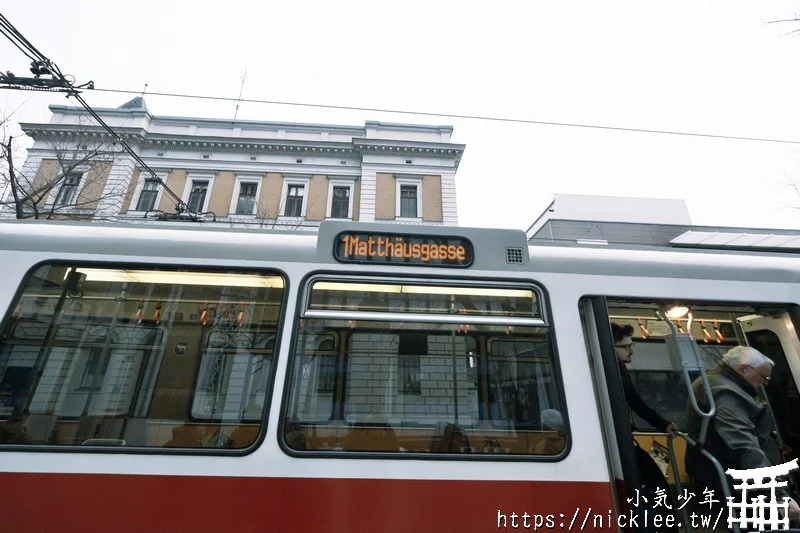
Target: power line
457,116
16,36
41,65
127,148
19,40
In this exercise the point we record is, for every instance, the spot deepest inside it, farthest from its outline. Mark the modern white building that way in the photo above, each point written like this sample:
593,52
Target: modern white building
627,222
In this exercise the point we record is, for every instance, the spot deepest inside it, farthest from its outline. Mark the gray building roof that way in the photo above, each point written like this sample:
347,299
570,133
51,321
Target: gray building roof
136,103
575,220
635,234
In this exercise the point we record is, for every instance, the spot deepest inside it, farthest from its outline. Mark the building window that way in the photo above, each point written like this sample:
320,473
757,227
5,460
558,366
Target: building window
197,196
340,197
294,201
69,189
247,198
294,197
340,203
409,201
148,195
246,191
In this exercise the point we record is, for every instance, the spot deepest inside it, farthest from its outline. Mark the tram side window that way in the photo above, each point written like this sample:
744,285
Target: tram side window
138,358
424,386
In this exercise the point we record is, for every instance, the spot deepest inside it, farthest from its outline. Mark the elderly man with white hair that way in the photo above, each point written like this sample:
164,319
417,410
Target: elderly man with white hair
739,434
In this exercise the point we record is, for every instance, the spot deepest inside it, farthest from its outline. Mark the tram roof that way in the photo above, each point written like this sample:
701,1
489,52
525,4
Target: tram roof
491,248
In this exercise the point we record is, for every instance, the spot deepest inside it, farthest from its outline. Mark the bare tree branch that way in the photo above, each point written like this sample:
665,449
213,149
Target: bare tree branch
83,154
795,19
783,20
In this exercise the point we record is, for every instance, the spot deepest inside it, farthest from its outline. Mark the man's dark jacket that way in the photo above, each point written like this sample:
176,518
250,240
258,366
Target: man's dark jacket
739,435
637,405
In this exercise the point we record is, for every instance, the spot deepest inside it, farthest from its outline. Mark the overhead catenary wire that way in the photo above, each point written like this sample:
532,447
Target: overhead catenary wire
125,145
4,24
19,40
40,61
28,49
181,204
458,116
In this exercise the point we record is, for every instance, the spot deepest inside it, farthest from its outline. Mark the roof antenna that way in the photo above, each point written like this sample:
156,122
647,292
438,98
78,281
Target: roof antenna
240,94
145,87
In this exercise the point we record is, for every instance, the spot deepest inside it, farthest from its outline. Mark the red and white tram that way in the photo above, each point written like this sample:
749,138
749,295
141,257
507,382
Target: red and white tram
371,377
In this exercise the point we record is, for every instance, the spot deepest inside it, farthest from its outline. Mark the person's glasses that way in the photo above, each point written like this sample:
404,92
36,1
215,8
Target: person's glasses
628,346
766,378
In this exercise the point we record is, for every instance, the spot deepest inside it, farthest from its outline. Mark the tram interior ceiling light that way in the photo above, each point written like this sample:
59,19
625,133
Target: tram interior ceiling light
422,289
179,278
677,311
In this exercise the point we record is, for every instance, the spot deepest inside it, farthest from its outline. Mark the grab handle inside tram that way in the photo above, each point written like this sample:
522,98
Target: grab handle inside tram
683,352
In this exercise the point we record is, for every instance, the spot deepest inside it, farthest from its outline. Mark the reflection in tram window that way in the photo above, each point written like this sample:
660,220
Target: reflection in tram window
521,382
138,358
233,353
426,385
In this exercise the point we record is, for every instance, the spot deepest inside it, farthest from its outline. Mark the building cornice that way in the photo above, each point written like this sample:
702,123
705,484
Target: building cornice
406,148
69,110
247,167
223,144
46,132
356,149
53,132
260,146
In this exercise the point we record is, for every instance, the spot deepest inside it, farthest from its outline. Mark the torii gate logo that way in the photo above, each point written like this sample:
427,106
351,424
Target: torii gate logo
760,512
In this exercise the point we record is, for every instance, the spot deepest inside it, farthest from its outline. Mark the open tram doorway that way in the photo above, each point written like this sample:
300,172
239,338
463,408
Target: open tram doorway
656,372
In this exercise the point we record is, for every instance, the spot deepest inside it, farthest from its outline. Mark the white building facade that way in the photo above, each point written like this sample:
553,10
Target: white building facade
240,173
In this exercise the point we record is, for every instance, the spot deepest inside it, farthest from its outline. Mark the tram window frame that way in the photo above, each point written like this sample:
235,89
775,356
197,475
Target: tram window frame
295,435
277,317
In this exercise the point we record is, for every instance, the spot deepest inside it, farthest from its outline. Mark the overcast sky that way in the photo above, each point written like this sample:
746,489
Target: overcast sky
700,67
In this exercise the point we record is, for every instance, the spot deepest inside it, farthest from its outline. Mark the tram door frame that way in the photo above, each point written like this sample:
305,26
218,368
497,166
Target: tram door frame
613,408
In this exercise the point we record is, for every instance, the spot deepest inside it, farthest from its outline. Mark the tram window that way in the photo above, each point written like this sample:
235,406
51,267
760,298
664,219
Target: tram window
426,385
138,358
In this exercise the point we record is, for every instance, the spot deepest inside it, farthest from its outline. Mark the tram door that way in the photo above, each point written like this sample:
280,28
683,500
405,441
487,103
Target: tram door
656,373
611,401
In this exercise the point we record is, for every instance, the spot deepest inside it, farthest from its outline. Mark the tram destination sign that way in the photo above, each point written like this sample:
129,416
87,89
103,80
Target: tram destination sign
403,249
